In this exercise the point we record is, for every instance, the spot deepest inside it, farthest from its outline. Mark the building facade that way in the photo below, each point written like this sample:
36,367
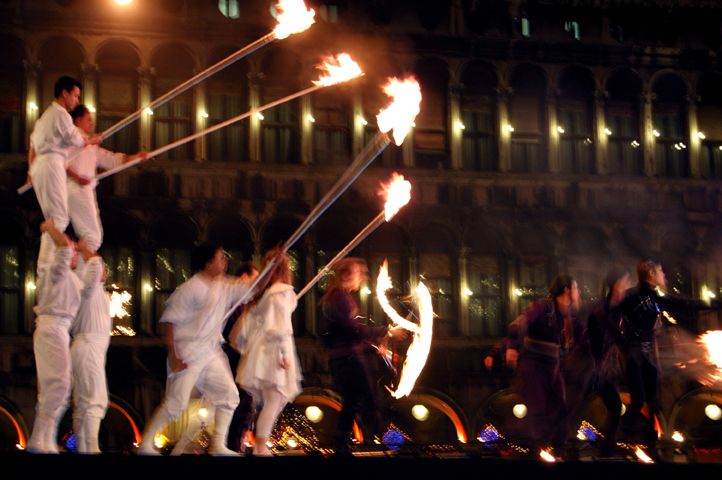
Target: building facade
555,137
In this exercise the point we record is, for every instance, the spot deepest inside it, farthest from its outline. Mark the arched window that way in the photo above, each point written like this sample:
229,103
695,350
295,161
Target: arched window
118,94
11,96
331,120
526,113
576,85
234,236
668,112
478,146
58,56
430,134
485,282
709,124
622,120
535,244
279,132
227,98
11,277
585,250
174,119
436,266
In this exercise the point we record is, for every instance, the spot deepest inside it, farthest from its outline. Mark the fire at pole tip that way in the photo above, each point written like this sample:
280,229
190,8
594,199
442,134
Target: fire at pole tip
401,113
293,17
398,194
340,69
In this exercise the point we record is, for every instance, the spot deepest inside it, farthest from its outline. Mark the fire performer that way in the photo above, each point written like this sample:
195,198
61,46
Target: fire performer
270,371
195,356
81,183
551,328
91,338
54,134
641,310
58,301
348,340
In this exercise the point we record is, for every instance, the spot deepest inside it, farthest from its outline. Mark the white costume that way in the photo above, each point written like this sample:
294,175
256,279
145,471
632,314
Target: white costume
196,313
82,202
266,340
54,134
91,337
58,300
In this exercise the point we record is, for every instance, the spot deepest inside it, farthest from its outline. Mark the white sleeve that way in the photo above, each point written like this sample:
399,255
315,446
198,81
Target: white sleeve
70,133
92,276
178,305
61,263
108,160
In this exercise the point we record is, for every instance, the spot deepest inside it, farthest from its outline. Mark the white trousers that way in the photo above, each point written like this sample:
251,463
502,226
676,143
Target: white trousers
84,214
51,343
49,182
211,374
90,387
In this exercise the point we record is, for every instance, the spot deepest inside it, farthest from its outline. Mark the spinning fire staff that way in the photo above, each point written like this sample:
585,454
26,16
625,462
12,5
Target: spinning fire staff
293,17
340,70
398,194
398,116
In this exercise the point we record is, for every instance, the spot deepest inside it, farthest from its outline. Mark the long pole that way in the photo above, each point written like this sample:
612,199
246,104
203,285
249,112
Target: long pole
364,159
182,141
375,223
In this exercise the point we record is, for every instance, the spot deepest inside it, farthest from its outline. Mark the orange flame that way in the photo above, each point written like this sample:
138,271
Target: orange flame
292,18
401,113
398,194
340,69
546,456
420,346
643,456
712,342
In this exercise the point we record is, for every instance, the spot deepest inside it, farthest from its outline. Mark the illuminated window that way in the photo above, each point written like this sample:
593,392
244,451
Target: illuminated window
229,8
523,25
572,28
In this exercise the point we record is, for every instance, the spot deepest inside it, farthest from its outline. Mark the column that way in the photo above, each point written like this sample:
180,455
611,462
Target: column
413,268
145,84
90,85
503,135
456,131
32,98
306,130
255,130
555,163
694,142
647,126
463,323
600,137
200,147
359,127
309,255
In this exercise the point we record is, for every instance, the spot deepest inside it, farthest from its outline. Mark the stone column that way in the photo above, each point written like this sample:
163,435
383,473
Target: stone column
555,163
413,268
463,322
647,126
254,101
309,256
306,131
90,84
359,127
694,146
147,298
456,131
145,85
200,147
32,107
599,136
503,135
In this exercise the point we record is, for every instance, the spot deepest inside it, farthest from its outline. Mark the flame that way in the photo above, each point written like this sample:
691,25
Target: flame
546,456
643,456
401,113
712,342
420,346
117,304
398,194
292,18
340,69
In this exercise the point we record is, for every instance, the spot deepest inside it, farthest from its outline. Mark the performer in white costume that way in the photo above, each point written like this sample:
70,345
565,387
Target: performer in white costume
81,183
54,134
58,290
270,371
195,312
91,338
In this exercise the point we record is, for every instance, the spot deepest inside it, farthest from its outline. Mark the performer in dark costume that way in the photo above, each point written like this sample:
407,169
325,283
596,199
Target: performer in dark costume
539,381
348,340
603,333
641,310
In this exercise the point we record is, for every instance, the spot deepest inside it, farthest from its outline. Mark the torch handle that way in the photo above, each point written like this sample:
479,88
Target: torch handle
182,141
375,223
191,82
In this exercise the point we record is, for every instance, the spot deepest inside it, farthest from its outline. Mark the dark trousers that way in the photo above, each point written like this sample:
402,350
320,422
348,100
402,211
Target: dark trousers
351,378
641,375
610,396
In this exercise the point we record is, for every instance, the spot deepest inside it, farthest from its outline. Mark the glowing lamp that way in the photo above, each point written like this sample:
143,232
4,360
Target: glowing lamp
420,413
713,412
314,414
519,410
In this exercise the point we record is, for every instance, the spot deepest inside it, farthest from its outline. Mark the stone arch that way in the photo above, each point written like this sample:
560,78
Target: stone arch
327,401
233,233
174,230
576,81
13,430
478,77
128,49
526,76
59,55
632,240
617,82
